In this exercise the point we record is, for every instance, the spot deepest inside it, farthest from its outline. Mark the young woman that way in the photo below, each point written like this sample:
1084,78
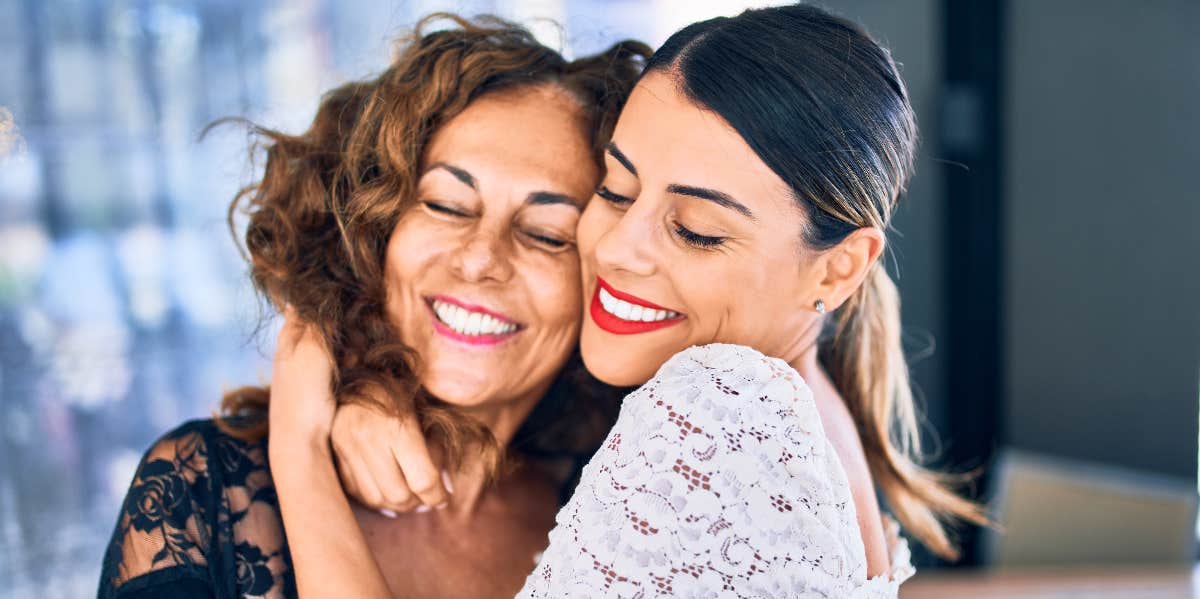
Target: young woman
358,224
751,179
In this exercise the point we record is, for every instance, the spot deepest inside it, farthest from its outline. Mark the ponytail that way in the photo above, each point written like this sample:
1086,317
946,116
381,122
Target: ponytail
866,362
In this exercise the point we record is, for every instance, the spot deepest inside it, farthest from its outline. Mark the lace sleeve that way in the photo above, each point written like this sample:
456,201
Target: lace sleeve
717,478
163,525
201,519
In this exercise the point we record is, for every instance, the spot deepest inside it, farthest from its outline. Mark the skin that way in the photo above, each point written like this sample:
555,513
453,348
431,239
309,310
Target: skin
479,239
646,238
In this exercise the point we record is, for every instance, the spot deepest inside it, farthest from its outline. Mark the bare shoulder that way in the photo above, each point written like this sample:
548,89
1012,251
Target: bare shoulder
843,435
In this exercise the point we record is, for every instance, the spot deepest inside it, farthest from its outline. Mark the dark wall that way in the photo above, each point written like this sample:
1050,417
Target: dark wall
1103,220
911,30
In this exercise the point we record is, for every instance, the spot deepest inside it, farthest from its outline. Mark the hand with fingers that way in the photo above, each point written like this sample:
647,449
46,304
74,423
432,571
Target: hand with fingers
384,462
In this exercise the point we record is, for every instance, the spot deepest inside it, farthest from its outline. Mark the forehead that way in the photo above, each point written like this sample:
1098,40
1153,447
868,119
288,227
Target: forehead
531,134
672,140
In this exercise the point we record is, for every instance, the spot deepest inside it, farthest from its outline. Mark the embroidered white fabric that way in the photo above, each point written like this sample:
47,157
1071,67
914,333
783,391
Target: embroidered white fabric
717,481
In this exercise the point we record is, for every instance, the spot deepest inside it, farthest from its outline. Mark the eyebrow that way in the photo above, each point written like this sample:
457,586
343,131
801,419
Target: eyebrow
616,152
537,198
547,198
717,197
458,173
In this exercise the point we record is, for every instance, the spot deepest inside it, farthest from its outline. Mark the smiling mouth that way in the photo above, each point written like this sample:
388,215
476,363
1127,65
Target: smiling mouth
471,324
625,314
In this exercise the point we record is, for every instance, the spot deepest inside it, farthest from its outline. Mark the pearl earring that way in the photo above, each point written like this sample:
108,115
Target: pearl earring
820,306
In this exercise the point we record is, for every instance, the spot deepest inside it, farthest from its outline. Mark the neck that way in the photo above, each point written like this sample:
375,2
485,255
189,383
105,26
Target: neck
469,478
800,352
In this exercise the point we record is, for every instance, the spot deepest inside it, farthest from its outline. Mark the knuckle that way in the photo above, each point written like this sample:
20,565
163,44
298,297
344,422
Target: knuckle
422,485
399,496
372,499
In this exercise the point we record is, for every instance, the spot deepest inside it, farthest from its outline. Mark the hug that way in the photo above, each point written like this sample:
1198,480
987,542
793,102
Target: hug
614,326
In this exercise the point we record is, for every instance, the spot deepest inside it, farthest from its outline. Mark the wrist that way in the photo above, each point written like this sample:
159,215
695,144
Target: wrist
300,451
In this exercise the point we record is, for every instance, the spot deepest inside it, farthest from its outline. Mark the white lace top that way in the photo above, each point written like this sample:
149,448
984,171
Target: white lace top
717,480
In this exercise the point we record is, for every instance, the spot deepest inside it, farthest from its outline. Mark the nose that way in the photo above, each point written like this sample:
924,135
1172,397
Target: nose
627,246
483,257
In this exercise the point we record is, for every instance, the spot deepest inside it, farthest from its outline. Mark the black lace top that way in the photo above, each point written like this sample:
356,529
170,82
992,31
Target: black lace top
201,520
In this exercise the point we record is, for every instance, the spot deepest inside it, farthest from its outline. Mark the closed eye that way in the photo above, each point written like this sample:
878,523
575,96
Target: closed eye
615,199
548,241
695,239
444,209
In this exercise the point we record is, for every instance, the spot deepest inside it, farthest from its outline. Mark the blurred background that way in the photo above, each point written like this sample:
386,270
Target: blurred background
1048,255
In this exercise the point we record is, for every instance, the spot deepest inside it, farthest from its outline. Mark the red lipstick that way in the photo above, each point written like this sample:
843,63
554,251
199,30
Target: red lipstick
619,326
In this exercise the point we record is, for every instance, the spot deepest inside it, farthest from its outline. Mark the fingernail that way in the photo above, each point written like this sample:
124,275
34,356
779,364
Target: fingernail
443,505
446,481
387,513
421,509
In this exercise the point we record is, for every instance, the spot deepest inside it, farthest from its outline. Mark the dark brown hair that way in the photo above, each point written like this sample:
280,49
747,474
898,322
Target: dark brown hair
823,105
329,198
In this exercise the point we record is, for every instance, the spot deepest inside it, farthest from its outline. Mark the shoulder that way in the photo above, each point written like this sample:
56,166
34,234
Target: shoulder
163,530
732,410
758,419
173,470
173,487
193,484
734,382
718,462
200,451
228,476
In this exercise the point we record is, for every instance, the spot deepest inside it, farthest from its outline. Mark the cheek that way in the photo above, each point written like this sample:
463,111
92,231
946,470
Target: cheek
754,313
556,292
410,247
413,251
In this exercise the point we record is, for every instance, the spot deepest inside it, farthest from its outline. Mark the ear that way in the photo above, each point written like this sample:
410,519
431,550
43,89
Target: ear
846,265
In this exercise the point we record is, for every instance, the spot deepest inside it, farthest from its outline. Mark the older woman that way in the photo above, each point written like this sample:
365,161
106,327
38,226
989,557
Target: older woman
426,221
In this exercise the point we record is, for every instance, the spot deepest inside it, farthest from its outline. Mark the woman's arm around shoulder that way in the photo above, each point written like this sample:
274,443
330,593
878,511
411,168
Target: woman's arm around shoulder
329,550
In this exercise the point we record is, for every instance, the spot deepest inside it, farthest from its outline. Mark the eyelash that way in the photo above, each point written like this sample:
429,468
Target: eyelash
550,241
612,198
553,243
436,207
688,236
697,240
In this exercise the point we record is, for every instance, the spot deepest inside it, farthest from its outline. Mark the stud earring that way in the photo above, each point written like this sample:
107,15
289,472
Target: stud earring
820,306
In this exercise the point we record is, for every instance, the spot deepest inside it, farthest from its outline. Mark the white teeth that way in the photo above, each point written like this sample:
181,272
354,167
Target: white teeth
633,312
623,310
465,322
489,325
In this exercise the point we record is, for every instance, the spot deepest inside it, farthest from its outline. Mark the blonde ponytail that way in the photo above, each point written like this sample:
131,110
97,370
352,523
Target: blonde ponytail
867,364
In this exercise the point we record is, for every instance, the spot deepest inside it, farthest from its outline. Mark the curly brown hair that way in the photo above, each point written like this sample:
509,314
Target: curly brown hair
329,198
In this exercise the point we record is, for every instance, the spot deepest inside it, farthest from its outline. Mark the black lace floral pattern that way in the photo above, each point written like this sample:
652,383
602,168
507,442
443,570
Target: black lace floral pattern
185,528
158,500
201,519
253,575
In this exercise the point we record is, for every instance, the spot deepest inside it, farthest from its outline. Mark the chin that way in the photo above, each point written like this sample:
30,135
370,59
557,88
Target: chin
613,366
456,391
